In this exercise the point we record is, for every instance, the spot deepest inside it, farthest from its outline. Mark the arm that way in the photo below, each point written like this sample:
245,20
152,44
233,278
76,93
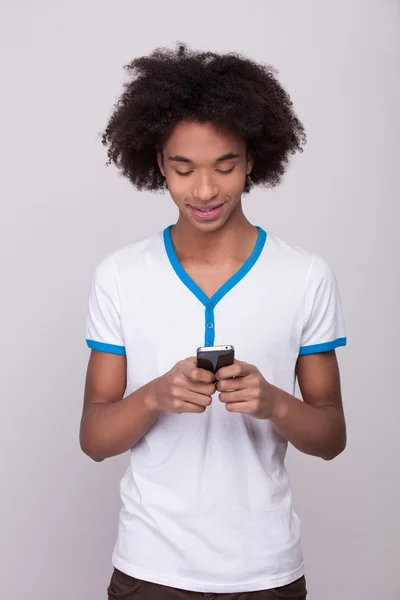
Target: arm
315,426
112,424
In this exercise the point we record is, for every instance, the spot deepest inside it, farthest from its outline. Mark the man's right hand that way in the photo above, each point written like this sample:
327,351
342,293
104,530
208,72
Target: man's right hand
183,389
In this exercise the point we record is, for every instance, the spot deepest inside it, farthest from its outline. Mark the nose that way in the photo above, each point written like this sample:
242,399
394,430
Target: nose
204,189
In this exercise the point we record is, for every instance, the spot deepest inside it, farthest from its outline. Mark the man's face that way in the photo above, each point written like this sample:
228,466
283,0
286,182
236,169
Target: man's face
205,170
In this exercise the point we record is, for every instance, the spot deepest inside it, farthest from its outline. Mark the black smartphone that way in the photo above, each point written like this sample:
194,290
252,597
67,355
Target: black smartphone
213,358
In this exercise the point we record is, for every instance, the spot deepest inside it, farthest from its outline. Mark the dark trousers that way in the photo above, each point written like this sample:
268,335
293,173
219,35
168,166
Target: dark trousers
128,588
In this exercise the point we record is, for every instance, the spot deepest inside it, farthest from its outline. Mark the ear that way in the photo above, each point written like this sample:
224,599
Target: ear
160,162
250,164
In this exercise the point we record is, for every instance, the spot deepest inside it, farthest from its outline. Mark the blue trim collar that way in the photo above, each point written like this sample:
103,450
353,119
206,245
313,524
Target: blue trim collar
210,303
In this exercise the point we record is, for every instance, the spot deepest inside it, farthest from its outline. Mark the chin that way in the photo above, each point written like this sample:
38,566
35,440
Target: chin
208,226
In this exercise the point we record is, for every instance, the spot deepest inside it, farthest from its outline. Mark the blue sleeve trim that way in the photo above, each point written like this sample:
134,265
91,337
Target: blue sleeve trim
110,348
323,347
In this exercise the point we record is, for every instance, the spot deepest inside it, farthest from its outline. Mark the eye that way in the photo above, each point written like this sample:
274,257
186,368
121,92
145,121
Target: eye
185,174
225,172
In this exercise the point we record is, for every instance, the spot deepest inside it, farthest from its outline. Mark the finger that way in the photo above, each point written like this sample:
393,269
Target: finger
207,389
191,371
188,407
194,398
241,407
236,383
237,396
238,369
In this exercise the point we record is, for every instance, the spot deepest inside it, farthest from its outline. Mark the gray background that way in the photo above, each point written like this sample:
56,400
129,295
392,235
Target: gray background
62,211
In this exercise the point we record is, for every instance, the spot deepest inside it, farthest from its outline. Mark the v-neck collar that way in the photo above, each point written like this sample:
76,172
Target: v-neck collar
228,285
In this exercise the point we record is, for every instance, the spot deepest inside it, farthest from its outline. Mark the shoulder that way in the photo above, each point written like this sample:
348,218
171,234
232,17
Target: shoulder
124,261
296,261
291,255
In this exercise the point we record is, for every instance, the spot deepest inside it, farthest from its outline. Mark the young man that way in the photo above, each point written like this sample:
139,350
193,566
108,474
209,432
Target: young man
207,507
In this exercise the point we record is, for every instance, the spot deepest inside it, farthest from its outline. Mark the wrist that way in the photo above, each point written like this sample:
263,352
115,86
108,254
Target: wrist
151,396
280,404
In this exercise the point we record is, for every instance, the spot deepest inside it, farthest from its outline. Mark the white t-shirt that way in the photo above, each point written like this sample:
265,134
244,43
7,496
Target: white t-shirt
206,500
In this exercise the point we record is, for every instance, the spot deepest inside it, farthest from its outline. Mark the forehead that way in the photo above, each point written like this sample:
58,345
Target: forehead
202,141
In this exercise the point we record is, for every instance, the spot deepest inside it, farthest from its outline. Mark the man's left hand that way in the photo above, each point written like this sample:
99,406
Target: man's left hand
244,390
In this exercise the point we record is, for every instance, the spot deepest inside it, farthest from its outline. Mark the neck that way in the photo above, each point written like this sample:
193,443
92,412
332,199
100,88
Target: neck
232,240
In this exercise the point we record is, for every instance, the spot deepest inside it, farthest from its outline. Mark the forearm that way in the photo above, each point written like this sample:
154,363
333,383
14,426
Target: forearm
108,429
318,431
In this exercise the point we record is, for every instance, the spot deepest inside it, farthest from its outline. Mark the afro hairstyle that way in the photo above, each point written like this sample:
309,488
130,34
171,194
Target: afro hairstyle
228,90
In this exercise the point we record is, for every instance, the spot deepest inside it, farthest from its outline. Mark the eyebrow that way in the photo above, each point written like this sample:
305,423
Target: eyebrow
227,156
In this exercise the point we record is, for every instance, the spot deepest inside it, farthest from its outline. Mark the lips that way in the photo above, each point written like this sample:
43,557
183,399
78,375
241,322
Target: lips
206,213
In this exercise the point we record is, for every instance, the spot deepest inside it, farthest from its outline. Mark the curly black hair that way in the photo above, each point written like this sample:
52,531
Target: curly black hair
228,90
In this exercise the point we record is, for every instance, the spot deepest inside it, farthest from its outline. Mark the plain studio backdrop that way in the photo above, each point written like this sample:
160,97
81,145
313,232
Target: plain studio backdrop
63,210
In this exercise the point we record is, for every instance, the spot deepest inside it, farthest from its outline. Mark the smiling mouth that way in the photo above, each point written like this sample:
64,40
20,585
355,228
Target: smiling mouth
207,213
208,209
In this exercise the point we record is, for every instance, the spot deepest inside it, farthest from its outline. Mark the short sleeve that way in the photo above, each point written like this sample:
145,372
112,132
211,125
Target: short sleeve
324,327
103,327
